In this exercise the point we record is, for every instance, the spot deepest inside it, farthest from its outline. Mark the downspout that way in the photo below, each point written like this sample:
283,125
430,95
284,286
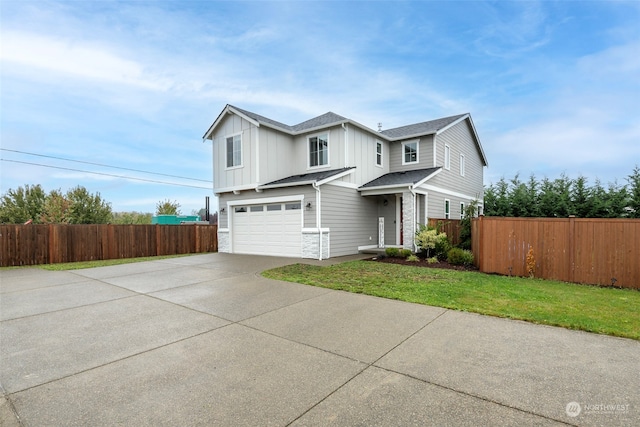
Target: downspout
413,239
318,219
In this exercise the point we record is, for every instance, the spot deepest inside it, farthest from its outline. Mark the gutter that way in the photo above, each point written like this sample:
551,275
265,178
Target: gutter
415,220
318,219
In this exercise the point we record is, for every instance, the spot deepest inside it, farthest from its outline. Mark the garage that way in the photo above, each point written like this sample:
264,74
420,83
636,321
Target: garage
267,229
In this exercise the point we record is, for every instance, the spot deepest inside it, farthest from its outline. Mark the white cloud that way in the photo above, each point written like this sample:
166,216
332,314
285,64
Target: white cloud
79,59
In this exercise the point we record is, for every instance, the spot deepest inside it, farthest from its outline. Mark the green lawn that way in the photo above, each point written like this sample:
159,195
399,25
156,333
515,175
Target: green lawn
91,264
589,308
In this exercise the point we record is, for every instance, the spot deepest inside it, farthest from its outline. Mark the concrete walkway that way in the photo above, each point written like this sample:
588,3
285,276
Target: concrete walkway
204,340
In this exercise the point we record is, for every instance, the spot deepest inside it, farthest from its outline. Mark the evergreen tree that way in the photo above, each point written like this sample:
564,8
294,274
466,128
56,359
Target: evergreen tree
581,202
634,193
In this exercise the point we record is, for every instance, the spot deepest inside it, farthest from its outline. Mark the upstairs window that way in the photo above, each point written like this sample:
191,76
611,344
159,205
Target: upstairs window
410,152
319,150
447,157
461,164
378,153
234,151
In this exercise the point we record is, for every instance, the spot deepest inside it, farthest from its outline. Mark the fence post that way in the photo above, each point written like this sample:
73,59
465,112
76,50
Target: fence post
52,245
478,239
572,247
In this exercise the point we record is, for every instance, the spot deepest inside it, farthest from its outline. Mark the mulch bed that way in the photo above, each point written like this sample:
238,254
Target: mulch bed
424,263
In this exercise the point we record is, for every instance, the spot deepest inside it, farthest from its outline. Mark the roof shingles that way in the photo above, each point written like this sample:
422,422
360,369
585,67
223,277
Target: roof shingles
306,177
403,178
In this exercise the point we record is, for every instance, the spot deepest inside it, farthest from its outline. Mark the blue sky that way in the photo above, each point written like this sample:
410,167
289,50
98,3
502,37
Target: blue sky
552,87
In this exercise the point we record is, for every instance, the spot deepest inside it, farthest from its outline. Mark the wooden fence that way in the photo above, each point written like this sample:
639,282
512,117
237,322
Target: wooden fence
580,250
53,243
450,226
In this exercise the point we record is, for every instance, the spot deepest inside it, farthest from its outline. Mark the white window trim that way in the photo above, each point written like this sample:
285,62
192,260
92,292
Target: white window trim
417,142
447,156
309,151
447,215
462,164
226,153
381,154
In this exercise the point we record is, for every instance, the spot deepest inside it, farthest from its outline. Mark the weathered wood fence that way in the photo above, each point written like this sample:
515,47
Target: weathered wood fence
581,250
54,243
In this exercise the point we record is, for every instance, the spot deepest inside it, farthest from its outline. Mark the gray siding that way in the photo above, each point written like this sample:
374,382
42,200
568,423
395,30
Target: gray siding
460,139
425,155
351,219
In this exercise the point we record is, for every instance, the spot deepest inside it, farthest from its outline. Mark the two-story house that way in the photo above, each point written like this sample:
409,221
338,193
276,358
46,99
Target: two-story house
330,186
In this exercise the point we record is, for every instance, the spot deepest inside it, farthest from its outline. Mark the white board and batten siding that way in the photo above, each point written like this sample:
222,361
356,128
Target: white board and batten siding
224,177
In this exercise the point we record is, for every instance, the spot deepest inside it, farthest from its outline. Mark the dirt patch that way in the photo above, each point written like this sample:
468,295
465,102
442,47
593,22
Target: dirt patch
424,263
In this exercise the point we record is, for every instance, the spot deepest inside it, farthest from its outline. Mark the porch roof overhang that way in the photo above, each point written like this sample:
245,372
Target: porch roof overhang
317,178
396,182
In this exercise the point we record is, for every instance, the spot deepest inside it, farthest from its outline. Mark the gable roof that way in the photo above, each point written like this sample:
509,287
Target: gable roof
401,179
308,178
424,128
431,127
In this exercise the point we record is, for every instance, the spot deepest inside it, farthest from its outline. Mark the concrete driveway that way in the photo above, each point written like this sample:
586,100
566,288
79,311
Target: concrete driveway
204,340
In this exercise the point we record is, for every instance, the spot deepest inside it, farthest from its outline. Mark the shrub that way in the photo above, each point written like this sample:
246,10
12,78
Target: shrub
442,246
429,238
405,253
432,260
413,258
392,252
457,256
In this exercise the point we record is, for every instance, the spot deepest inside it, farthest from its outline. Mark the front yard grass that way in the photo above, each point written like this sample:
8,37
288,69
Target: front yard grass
589,308
63,266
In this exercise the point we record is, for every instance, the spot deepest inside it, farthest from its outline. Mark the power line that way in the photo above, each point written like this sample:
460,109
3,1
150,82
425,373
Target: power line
103,165
106,174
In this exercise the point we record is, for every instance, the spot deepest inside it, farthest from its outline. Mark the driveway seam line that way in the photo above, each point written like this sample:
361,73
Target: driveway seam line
485,399
368,366
118,360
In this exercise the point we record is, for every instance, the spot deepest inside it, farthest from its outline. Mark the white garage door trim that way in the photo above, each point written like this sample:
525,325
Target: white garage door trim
269,226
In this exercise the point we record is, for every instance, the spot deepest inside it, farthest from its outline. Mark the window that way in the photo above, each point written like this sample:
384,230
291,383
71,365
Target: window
447,157
241,209
292,206
461,210
257,208
461,164
378,153
277,207
234,151
447,209
319,150
410,152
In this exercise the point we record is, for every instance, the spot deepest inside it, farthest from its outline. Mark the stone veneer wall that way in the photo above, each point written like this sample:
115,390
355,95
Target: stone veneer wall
310,244
223,241
408,223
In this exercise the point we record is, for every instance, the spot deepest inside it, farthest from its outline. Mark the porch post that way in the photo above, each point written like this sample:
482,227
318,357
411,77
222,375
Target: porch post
408,220
381,232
